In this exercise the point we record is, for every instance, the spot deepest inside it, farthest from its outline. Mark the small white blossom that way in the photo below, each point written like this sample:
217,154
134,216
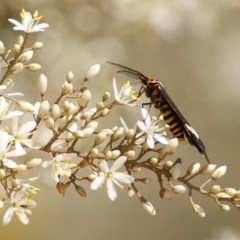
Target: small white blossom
110,177
20,204
151,129
5,112
22,133
29,22
5,154
60,165
125,96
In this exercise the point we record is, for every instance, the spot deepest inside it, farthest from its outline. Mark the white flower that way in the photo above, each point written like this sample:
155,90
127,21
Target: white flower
125,96
5,114
110,177
5,144
22,133
60,165
29,23
150,128
20,204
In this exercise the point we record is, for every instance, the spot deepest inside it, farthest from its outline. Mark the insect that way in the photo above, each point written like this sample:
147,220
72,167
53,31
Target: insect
156,92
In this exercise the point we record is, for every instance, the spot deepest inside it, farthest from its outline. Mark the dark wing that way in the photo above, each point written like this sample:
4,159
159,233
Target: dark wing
188,130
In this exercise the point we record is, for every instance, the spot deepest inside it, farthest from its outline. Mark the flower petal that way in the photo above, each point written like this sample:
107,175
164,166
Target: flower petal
118,163
97,182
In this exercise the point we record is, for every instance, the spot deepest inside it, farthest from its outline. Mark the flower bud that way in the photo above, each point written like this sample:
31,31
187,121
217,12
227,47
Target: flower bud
34,162
70,77
67,88
84,98
215,189
20,40
179,189
37,45
55,112
165,194
33,67
16,48
219,172
177,169
26,56
43,109
198,210
61,188
148,207
93,71
225,207
106,96
18,67
94,152
130,154
42,84
118,134
81,191
171,147
230,191
50,123
208,169
100,138
105,112
25,106
115,154
193,169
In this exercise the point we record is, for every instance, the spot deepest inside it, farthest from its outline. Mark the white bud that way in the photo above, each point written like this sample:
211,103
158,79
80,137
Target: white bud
55,112
225,207
105,112
34,162
106,96
67,88
26,56
116,135
115,154
215,189
93,71
230,191
42,84
37,45
172,146
208,169
18,67
25,106
177,169
94,152
179,189
92,124
219,172
70,77
43,109
148,207
100,138
84,98
154,161
50,123
130,154
21,168
193,168
198,210
33,67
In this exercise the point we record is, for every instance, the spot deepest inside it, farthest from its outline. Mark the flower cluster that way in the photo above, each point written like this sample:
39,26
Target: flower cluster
112,157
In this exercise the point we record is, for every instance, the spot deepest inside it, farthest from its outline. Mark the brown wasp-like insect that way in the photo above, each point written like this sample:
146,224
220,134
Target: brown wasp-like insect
155,91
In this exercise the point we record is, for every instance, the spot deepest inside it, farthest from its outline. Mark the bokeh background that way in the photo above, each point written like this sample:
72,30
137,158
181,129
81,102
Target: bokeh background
193,47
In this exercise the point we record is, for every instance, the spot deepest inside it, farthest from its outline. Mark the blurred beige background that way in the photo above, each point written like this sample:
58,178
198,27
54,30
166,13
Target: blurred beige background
193,47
